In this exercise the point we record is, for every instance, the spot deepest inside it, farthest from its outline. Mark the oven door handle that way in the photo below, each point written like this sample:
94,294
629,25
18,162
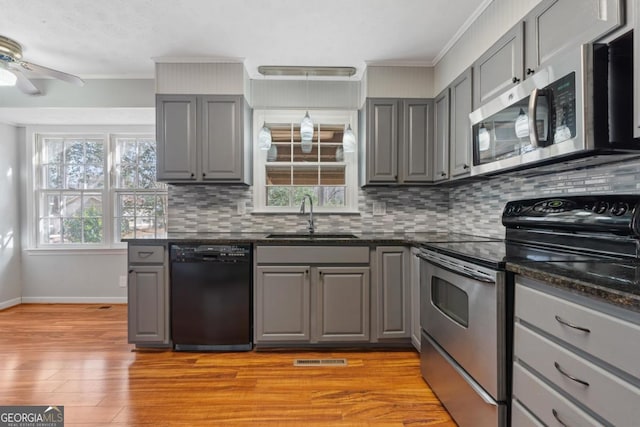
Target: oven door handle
465,273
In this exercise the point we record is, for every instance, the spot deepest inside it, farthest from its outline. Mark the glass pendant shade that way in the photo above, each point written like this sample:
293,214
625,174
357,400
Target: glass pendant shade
484,139
7,78
264,138
306,128
306,145
348,141
522,125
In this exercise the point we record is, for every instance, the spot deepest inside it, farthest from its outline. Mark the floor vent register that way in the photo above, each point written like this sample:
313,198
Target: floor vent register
320,362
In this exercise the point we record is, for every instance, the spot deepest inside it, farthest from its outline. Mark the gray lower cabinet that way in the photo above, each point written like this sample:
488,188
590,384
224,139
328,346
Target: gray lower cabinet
636,69
342,304
441,137
148,296
398,141
283,302
461,96
574,359
499,68
392,308
203,138
415,298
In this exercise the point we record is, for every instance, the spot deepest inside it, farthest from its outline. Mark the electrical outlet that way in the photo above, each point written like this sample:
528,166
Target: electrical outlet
379,208
123,281
242,207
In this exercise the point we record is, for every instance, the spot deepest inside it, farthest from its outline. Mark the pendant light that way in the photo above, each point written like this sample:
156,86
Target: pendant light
264,138
306,126
348,137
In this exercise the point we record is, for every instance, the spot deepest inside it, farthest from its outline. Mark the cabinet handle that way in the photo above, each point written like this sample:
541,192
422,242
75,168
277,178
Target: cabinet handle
572,378
515,80
530,71
465,166
204,174
557,417
130,271
306,273
193,175
443,174
145,254
571,325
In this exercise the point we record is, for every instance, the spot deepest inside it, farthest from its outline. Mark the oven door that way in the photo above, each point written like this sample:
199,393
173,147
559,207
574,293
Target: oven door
462,308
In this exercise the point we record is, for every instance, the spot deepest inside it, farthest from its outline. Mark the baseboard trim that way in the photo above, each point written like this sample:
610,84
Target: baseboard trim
10,303
74,300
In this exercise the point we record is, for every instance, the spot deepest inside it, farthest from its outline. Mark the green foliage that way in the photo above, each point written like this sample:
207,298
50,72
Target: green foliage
85,228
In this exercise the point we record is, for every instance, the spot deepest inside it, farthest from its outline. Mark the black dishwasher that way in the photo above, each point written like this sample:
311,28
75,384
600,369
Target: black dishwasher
211,297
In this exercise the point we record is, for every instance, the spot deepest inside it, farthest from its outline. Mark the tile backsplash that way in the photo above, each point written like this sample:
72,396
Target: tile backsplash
469,207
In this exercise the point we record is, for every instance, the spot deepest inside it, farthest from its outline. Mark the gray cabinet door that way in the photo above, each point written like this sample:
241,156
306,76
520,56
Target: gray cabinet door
636,71
499,68
393,293
146,305
176,137
416,134
342,304
282,303
415,299
221,137
555,25
460,126
382,140
441,137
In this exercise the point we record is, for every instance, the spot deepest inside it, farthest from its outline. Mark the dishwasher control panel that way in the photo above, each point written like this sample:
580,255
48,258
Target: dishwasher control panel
208,253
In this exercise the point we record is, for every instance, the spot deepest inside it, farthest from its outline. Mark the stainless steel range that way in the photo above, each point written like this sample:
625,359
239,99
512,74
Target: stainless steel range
466,293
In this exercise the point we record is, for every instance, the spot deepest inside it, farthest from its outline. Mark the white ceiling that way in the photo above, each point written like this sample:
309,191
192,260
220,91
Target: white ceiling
119,38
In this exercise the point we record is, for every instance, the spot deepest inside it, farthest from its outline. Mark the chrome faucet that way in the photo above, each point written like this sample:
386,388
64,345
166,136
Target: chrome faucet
311,227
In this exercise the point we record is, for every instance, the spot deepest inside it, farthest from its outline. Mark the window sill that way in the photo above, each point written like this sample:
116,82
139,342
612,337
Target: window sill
76,251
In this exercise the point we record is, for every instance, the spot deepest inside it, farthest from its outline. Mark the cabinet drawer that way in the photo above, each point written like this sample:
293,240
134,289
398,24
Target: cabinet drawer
609,396
521,417
312,255
608,338
545,403
146,254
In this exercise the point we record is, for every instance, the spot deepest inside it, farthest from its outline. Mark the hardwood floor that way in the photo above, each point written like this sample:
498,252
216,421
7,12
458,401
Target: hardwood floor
78,356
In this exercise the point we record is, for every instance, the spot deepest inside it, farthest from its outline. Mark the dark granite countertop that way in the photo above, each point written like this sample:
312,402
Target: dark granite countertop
615,282
318,239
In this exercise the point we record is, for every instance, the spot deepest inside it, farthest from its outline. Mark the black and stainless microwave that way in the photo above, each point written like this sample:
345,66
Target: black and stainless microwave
577,105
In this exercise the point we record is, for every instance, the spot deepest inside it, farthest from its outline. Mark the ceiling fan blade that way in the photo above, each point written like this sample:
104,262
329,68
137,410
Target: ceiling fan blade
69,78
24,84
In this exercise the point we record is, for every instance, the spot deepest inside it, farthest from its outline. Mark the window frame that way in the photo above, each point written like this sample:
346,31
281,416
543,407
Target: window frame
326,117
108,133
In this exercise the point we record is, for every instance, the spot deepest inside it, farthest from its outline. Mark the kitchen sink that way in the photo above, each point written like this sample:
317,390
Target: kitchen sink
311,236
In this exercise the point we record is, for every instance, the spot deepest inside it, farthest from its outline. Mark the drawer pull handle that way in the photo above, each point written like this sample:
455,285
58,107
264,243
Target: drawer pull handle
145,254
557,417
565,323
572,378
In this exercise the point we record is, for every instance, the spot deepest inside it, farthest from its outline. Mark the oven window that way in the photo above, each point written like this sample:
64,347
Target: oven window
451,300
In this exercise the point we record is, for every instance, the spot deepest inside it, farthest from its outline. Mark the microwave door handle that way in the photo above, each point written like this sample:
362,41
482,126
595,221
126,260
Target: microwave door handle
533,107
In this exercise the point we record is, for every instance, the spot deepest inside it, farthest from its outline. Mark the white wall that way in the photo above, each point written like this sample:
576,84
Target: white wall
494,21
10,272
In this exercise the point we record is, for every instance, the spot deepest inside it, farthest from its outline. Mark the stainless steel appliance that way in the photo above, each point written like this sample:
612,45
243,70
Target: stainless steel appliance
466,293
574,106
211,297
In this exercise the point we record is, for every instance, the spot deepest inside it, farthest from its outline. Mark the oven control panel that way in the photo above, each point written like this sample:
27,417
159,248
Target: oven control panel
618,214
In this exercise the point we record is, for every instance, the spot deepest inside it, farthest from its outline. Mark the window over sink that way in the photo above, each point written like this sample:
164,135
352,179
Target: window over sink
292,168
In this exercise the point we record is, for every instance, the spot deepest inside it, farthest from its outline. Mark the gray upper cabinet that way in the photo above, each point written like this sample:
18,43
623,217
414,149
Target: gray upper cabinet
393,310
148,296
204,138
382,134
282,303
176,137
636,70
398,135
499,68
342,304
555,25
415,140
441,137
460,127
